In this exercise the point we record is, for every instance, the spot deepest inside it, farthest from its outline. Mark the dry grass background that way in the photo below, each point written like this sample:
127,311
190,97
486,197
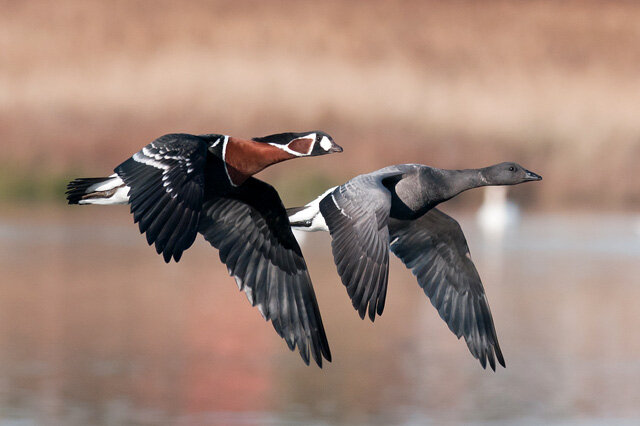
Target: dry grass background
553,85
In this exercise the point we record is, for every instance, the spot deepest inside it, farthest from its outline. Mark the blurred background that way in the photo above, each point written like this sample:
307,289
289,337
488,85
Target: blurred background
96,329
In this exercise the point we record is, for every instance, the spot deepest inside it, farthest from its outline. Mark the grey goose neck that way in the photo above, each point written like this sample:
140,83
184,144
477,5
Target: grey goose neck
421,188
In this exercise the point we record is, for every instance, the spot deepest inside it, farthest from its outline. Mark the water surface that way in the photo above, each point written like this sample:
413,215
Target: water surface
96,329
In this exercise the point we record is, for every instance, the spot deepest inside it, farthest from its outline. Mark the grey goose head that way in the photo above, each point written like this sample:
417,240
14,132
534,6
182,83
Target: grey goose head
508,173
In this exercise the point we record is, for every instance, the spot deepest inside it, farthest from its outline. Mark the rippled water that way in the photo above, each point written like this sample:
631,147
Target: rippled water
96,329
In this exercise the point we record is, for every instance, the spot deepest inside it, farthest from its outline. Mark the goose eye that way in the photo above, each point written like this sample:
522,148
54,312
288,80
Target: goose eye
512,169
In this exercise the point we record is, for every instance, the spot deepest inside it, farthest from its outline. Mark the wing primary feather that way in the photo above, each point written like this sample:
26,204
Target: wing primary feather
250,228
434,248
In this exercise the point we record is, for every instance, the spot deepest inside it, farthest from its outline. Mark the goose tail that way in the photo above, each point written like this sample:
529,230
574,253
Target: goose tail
101,190
308,218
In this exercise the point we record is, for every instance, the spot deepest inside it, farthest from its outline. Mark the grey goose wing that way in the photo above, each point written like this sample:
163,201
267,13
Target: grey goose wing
357,214
166,182
435,249
250,228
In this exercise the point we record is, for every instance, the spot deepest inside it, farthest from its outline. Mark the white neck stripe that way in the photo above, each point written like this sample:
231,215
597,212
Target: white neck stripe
224,159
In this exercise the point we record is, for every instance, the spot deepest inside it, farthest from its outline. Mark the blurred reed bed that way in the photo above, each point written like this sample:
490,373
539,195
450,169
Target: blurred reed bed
555,86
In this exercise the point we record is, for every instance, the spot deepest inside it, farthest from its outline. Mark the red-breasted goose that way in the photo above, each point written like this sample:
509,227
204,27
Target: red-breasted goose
394,208
181,184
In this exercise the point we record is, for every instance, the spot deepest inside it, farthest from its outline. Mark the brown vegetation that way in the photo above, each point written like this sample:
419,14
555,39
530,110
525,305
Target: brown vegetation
553,85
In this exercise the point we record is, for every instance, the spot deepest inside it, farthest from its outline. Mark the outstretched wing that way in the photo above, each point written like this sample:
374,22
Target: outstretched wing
357,214
167,184
249,226
434,248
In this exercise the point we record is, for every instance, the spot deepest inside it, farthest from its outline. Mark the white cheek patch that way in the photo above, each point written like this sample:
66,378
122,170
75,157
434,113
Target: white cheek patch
325,143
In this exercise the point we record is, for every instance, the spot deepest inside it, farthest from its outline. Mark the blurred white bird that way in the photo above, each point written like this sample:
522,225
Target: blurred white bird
497,215
636,226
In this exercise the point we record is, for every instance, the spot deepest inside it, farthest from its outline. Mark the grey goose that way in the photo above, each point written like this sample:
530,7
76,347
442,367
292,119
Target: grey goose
394,208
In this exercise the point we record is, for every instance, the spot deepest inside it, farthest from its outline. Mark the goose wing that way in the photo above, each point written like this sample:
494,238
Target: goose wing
357,214
166,182
249,226
435,249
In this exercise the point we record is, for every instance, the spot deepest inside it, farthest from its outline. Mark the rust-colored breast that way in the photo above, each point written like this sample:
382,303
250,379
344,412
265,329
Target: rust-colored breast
245,158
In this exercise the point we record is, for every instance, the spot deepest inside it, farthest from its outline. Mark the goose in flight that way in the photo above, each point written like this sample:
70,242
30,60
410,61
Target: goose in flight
394,208
180,185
